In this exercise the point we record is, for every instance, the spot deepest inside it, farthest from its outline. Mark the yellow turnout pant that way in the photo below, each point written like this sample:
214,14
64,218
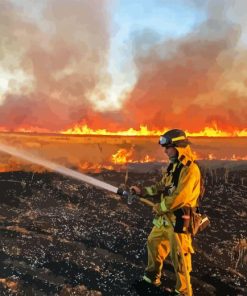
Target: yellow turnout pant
161,241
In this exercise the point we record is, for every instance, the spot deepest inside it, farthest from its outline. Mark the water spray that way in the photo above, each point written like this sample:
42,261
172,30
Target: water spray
56,167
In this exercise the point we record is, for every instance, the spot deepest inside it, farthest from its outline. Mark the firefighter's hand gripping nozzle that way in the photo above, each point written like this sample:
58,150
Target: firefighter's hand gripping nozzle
128,193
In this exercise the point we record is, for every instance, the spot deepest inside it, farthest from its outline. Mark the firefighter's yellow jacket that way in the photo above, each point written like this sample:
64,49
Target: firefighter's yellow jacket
188,188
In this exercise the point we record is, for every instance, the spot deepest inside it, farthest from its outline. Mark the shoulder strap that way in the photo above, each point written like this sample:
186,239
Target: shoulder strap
169,168
178,169
176,174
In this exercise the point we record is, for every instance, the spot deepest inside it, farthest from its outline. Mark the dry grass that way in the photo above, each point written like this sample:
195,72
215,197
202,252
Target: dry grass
239,253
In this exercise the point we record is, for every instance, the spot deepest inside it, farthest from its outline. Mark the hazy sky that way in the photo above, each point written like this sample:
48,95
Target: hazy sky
116,64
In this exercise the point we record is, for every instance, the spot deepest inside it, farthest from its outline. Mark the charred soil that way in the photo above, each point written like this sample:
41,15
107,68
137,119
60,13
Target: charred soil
63,237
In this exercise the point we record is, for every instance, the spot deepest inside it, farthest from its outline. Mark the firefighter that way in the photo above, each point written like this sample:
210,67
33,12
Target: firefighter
179,190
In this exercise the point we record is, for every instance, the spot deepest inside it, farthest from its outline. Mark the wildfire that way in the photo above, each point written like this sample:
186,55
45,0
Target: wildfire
123,156
211,156
26,129
94,167
85,130
144,131
147,158
235,157
117,162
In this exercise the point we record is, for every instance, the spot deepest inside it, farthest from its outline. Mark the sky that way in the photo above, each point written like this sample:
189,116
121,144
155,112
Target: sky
119,64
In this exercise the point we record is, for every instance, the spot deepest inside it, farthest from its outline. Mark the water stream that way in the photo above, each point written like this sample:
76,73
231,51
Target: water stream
56,167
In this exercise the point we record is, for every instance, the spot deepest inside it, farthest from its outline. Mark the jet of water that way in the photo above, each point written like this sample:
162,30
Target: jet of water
56,167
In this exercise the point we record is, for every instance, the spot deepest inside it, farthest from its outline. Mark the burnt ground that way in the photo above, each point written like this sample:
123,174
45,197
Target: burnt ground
60,236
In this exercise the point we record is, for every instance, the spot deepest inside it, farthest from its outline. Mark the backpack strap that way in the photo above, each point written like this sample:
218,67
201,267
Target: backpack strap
176,174
178,169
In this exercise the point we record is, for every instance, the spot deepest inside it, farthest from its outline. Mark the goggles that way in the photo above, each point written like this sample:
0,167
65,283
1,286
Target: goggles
166,141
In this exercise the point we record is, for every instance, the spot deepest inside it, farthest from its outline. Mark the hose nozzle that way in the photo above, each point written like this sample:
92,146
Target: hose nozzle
129,195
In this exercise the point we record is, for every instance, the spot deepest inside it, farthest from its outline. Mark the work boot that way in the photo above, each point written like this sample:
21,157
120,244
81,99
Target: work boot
172,292
177,293
156,282
143,287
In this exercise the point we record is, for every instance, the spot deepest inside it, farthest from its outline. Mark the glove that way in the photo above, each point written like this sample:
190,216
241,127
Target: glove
157,209
136,190
120,191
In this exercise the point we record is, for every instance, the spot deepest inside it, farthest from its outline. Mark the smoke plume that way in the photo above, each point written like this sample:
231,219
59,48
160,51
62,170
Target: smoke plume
56,52
196,81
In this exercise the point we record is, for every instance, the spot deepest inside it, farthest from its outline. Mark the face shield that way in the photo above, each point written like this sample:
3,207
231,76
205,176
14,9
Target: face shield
166,141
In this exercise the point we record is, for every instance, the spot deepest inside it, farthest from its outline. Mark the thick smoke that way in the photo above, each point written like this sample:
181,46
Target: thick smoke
196,81
60,48
57,53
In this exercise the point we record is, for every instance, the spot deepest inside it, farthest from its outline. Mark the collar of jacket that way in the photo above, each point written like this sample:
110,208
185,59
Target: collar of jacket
185,155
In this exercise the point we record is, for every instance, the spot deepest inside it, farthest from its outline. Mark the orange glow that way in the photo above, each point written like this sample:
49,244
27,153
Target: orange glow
31,130
94,167
147,158
13,167
235,157
7,168
85,130
144,131
215,132
123,156
208,131
119,160
26,129
211,156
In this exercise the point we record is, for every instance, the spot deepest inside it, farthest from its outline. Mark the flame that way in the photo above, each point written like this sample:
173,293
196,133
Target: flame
208,131
94,167
85,130
147,158
118,162
235,157
214,131
211,156
25,129
123,156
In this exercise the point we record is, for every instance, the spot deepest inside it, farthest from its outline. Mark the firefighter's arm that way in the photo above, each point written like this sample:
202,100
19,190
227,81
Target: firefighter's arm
183,193
145,191
154,189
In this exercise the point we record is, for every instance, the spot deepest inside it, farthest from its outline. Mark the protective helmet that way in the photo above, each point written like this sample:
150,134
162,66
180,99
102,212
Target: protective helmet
174,138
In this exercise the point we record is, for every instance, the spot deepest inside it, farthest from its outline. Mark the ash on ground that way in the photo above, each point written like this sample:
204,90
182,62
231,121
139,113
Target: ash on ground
64,237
